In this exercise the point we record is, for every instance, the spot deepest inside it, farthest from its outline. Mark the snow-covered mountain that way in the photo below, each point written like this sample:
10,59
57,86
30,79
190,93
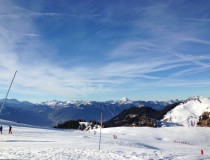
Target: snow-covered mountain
158,105
188,112
62,104
124,100
53,112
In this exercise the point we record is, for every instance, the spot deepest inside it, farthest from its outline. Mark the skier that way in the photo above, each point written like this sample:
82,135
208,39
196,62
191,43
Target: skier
1,129
10,129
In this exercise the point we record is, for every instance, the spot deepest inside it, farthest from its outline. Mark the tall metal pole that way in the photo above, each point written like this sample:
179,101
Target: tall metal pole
8,92
100,132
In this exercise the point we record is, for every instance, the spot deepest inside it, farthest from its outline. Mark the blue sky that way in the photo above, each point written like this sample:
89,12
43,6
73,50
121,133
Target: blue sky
103,50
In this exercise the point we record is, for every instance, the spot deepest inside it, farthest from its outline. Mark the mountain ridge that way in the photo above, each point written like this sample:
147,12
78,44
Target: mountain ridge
50,113
54,112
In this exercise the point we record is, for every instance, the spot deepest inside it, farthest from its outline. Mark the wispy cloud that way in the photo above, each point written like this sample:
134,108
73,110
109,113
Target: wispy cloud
22,15
194,40
193,19
149,49
197,60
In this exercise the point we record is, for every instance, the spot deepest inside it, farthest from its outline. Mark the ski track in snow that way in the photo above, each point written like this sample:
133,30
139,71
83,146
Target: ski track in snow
87,154
132,144
78,154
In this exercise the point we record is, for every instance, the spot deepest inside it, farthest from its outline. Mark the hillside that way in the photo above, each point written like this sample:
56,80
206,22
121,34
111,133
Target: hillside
139,116
188,112
133,116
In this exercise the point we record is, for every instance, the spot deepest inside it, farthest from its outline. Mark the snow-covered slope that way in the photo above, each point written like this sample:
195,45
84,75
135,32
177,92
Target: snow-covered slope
131,143
187,113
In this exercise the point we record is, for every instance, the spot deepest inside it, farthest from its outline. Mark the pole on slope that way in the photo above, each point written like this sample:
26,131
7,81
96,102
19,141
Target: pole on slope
8,92
100,132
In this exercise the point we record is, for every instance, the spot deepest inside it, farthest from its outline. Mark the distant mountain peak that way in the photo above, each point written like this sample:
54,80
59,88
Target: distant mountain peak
124,99
54,103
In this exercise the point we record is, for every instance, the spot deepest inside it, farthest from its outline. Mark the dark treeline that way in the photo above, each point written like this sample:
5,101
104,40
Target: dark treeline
71,124
74,124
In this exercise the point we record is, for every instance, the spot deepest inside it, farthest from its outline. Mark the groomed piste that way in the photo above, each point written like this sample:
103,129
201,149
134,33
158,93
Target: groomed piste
136,143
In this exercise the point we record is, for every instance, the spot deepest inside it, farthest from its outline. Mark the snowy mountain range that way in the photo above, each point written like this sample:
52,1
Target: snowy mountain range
158,105
52,112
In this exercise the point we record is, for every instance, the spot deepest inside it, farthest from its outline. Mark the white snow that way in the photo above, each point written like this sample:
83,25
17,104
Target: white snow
55,104
187,114
28,142
124,100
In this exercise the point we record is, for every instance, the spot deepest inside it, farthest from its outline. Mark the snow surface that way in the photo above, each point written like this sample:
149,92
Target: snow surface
28,142
187,114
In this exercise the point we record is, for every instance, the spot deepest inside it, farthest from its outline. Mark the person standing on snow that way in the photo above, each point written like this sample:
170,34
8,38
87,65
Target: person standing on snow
10,129
1,129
